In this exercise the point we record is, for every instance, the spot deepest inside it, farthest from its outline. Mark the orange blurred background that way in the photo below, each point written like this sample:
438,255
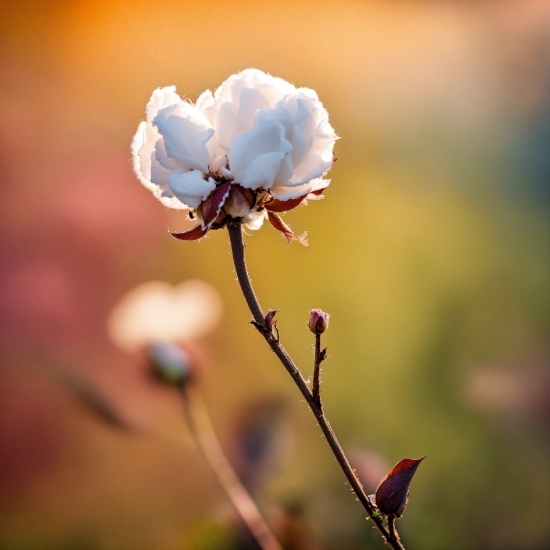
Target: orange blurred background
430,252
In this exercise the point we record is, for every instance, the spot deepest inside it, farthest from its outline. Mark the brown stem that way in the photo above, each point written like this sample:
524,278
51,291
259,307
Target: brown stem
237,249
316,387
205,437
393,531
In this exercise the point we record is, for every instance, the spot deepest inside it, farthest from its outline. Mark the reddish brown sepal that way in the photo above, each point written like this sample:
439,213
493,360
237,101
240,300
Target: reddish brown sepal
210,208
191,235
392,493
318,192
281,226
334,159
276,205
270,320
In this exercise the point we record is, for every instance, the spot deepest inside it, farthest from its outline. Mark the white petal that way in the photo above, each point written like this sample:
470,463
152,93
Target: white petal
190,187
240,97
226,125
254,220
186,132
285,192
219,163
312,136
148,170
158,312
256,156
147,136
207,105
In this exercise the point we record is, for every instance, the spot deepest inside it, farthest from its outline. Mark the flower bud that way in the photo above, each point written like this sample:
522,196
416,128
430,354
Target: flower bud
318,321
392,493
170,363
240,201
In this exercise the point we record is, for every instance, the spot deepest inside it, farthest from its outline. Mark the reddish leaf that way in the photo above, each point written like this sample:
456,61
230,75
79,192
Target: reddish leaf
190,235
318,192
210,208
393,492
276,205
281,226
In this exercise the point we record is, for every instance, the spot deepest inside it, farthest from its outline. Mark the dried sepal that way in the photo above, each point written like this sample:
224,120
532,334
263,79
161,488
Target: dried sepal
270,320
277,205
281,226
208,210
269,326
192,234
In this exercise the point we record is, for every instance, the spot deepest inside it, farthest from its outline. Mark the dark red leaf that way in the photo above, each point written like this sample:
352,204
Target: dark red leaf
276,205
393,492
210,208
318,192
281,226
190,235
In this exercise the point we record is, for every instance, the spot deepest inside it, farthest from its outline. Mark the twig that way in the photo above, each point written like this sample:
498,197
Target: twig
237,249
316,387
391,526
203,433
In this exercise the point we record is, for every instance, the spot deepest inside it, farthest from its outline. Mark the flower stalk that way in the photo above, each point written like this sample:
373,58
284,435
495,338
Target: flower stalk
265,328
319,357
205,437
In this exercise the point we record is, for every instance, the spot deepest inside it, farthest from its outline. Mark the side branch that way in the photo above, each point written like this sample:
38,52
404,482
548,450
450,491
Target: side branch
319,357
237,248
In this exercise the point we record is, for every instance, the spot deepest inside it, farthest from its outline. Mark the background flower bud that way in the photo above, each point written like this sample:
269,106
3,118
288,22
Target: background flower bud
170,363
318,321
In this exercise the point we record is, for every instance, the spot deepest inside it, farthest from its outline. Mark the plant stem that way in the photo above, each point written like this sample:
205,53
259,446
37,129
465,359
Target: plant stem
237,249
205,437
392,529
316,387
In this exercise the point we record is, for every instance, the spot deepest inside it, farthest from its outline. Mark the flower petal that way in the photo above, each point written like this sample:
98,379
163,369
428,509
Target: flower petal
257,155
148,170
190,187
314,187
254,220
187,133
240,97
311,136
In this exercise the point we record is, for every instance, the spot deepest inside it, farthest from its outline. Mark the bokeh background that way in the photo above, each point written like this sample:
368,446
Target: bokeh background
430,251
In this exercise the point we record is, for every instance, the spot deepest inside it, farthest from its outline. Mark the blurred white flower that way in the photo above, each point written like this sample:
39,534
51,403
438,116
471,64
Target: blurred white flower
158,312
255,147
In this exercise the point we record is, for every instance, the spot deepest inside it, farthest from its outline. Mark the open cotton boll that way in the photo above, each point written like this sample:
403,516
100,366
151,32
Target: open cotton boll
255,131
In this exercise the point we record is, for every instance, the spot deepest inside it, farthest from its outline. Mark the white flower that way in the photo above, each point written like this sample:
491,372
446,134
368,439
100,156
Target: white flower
157,312
256,132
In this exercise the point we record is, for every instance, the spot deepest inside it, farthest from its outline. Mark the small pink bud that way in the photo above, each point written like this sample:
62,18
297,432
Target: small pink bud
318,321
